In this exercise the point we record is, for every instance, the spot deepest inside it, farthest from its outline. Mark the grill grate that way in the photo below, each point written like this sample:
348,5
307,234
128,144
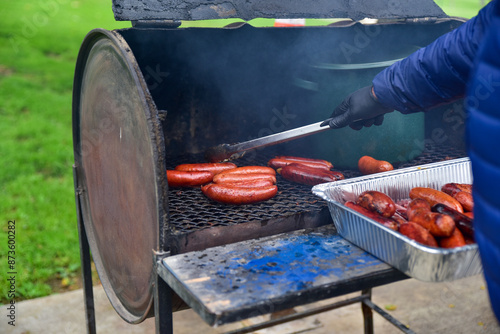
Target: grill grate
190,210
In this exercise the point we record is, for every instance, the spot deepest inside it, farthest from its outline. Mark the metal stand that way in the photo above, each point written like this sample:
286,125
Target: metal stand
162,295
86,266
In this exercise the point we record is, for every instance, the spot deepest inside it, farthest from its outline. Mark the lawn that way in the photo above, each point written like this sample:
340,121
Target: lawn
39,45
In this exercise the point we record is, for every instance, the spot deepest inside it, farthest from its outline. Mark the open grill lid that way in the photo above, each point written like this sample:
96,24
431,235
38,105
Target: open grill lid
148,10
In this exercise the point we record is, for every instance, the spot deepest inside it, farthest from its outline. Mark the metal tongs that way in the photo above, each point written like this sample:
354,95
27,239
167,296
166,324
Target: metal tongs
225,152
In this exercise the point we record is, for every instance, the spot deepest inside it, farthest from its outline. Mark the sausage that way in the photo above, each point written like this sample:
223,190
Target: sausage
464,223
416,207
280,161
469,214
419,211
231,178
230,194
456,239
368,165
215,167
434,196
465,199
418,233
309,176
453,188
377,201
439,225
250,170
387,222
176,178
251,183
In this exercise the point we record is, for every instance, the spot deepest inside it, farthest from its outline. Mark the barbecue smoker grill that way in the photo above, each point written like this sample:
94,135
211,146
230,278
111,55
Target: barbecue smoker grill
156,95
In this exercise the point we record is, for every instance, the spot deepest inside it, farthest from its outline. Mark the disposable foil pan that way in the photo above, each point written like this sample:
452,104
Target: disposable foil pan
414,259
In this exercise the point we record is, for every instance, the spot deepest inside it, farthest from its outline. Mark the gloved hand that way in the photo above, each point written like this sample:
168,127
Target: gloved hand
358,109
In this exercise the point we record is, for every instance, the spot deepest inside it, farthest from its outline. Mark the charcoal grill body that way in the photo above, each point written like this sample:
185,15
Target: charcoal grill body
153,96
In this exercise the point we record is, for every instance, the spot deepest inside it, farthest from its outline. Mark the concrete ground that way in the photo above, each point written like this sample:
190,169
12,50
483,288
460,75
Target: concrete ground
457,307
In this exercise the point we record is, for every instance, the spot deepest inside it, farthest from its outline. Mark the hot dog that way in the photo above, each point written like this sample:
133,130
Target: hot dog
464,223
301,159
439,225
214,167
434,196
280,162
456,239
250,170
368,165
230,194
453,188
309,176
231,178
387,222
465,199
418,233
377,201
176,178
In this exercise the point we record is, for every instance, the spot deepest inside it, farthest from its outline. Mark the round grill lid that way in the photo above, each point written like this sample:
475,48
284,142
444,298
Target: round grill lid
135,10
119,170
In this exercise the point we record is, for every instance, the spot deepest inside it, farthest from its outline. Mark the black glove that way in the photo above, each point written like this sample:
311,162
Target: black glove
358,109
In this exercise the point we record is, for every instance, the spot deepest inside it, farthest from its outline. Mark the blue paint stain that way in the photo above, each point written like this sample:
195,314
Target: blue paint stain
293,264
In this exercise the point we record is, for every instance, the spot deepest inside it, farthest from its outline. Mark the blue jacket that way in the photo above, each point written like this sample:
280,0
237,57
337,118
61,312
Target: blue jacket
462,63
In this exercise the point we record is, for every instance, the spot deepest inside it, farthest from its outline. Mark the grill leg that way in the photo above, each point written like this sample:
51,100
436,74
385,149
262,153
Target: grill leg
367,313
88,293
162,301
87,279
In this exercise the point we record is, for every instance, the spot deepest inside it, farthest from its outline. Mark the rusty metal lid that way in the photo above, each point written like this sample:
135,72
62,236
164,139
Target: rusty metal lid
134,10
119,170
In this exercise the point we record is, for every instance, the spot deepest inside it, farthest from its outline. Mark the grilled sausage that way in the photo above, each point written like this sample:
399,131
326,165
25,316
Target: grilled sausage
434,196
418,233
251,183
439,225
453,188
387,222
281,161
299,159
309,176
456,239
465,199
230,194
462,221
250,170
469,214
416,207
231,178
214,167
176,178
377,201
368,165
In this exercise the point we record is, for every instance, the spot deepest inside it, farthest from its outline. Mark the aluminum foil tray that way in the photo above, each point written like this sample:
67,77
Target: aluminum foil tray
414,259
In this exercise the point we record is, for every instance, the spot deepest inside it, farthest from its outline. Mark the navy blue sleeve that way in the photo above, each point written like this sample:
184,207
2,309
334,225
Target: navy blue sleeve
436,74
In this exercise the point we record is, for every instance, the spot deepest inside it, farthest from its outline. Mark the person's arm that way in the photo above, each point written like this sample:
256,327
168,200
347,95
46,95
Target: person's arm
436,74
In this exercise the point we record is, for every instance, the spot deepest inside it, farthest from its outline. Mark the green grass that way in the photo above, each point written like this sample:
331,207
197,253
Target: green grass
39,43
